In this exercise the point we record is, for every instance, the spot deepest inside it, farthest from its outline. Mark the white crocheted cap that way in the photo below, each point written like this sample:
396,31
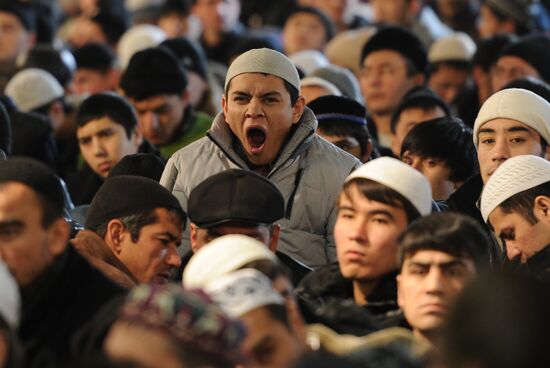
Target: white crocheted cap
32,88
309,60
241,291
264,61
402,178
516,104
515,175
10,301
221,256
137,38
457,46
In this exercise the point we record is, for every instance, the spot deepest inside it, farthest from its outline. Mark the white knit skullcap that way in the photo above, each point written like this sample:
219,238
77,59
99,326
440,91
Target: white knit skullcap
137,38
320,82
402,178
10,300
516,104
241,291
32,88
223,255
455,47
309,60
264,61
515,175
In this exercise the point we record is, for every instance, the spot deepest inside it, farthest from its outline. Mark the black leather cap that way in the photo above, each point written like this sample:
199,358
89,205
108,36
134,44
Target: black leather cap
235,196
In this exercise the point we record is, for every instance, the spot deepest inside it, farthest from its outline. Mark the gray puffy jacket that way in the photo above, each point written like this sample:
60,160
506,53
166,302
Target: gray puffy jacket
309,172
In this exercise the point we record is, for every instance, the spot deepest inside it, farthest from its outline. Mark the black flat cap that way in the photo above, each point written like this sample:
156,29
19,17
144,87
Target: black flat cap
36,175
400,40
235,196
126,195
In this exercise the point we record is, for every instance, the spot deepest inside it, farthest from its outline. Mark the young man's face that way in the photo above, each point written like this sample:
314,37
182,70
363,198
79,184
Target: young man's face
408,119
14,38
436,171
509,68
429,282
523,239
154,256
269,343
103,143
366,235
303,31
500,139
448,81
259,113
217,15
265,234
384,81
160,116
26,246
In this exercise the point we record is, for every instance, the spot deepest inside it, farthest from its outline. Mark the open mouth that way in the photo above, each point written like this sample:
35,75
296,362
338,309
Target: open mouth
256,138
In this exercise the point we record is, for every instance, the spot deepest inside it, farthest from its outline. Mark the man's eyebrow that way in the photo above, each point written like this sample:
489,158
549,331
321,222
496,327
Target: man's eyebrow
270,94
517,129
11,225
444,265
381,212
167,234
486,130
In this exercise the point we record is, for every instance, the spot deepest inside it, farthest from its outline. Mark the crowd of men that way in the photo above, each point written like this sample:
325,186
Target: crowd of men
290,183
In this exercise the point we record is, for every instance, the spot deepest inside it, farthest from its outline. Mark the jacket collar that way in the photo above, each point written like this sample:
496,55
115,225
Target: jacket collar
300,140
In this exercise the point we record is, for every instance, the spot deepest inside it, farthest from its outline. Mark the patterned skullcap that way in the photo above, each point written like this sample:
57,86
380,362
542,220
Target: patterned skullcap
515,175
188,316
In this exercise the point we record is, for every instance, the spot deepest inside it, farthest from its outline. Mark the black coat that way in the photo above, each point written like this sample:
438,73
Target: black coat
68,295
326,297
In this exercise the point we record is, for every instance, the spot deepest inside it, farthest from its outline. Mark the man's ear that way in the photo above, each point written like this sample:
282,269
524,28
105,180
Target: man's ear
114,235
298,109
193,233
542,207
547,152
275,234
58,236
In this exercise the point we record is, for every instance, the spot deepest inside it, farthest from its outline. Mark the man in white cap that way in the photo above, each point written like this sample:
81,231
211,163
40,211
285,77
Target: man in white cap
249,296
375,206
265,127
516,204
510,123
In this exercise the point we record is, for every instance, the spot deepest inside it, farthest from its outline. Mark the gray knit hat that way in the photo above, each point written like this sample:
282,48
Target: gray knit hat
265,61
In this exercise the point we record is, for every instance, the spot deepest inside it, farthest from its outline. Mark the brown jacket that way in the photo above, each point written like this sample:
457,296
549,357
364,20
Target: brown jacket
98,253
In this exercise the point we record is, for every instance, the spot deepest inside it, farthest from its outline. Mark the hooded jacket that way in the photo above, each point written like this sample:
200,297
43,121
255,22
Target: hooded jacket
309,172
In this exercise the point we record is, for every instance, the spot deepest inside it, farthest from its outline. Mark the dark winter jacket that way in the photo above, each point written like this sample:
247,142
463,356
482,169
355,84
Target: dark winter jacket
57,305
326,297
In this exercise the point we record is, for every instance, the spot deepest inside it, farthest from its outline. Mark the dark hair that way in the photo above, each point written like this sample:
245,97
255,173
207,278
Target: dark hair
488,50
292,91
180,7
50,59
499,321
107,105
419,97
455,64
523,202
95,56
447,139
448,232
381,193
50,211
134,223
